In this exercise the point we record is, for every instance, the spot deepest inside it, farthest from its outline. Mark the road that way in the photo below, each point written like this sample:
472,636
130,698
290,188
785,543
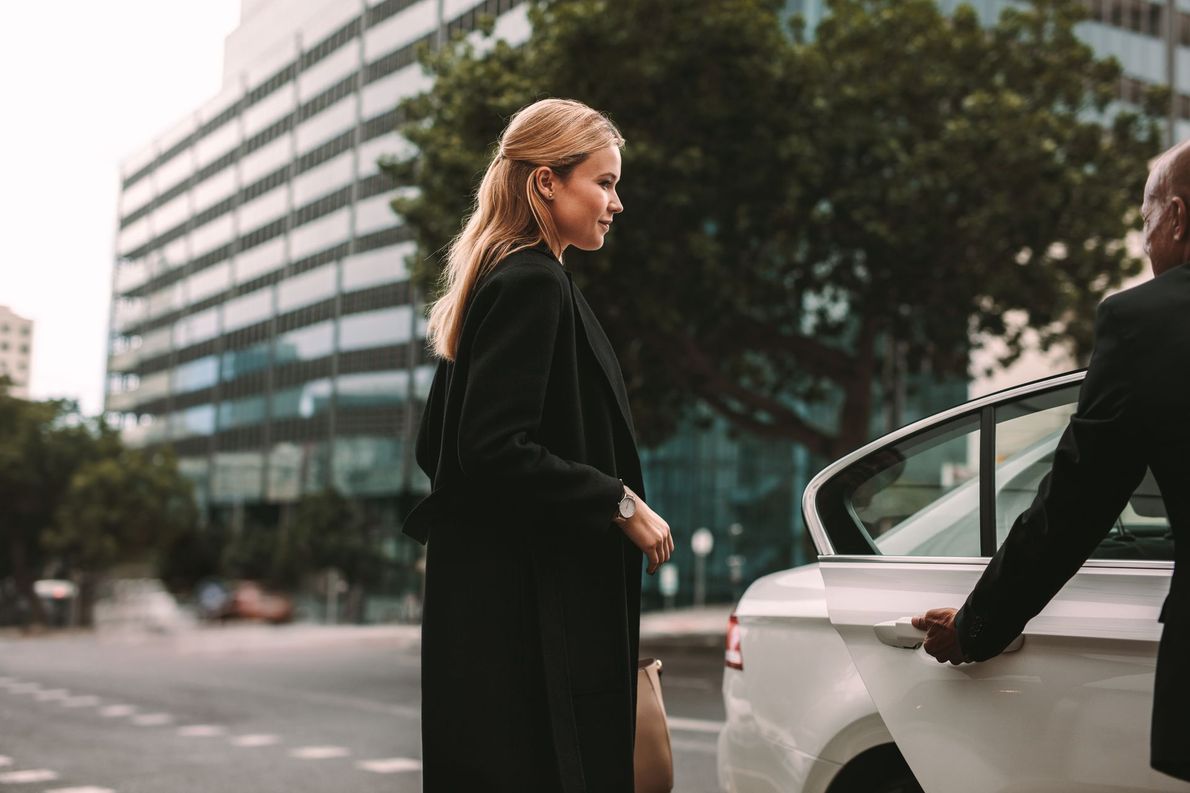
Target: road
252,708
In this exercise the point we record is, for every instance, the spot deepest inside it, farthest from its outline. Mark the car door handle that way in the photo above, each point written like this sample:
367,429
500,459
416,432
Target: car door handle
901,633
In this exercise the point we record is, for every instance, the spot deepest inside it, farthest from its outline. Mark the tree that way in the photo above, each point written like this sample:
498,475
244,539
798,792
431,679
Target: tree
336,536
797,205
75,498
42,444
125,505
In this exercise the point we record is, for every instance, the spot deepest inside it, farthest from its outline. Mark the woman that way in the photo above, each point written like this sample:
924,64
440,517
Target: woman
537,523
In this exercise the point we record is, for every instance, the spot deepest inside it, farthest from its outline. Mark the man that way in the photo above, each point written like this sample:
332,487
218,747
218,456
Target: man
1133,413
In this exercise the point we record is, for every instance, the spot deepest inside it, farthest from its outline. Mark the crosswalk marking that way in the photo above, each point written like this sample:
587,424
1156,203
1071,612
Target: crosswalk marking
201,731
152,719
28,777
25,688
115,711
392,765
50,694
255,740
5,761
319,752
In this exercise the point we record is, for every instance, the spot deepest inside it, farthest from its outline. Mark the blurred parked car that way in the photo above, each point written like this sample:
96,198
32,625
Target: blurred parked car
826,687
250,601
139,604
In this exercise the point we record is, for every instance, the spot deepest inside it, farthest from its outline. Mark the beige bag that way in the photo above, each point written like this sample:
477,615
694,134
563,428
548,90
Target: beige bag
653,758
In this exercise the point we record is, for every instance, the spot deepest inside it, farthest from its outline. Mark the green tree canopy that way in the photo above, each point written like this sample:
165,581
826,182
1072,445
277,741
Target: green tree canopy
73,497
793,202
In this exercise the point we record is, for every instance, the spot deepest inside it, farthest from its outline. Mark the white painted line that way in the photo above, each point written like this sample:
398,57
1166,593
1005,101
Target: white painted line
319,752
89,789
52,693
152,719
25,777
25,688
255,740
681,745
393,765
87,701
5,761
116,711
201,731
695,725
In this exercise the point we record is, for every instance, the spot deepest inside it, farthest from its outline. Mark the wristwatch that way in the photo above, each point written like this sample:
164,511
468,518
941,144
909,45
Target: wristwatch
626,508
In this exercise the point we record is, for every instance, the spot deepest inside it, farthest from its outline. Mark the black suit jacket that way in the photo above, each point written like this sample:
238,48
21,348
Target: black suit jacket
1133,412
531,621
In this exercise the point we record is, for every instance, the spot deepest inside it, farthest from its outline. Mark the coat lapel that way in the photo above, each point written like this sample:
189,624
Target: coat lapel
601,348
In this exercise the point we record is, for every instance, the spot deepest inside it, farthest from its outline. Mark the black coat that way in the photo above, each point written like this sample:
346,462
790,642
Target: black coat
1133,412
532,611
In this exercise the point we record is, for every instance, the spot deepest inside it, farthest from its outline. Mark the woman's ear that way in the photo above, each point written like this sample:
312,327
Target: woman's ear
545,180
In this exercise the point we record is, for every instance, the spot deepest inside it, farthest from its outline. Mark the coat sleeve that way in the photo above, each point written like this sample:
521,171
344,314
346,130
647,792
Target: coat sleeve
515,323
1098,464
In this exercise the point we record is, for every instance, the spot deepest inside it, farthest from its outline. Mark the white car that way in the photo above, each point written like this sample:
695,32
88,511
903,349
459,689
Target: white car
826,687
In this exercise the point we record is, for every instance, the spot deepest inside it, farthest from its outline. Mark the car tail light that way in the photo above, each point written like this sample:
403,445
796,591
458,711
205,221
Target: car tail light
733,653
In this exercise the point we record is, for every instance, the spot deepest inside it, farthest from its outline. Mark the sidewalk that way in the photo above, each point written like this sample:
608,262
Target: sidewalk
709,622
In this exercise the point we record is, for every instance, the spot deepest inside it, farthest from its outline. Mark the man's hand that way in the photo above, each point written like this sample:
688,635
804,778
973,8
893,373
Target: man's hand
942,640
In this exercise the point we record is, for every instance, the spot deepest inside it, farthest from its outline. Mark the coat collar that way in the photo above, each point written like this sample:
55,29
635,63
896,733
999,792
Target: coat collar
601,348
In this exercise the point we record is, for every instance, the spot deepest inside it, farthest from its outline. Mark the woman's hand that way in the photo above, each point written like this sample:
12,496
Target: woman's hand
649,532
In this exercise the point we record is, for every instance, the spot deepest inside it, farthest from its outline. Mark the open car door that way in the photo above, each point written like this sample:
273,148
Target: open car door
909,522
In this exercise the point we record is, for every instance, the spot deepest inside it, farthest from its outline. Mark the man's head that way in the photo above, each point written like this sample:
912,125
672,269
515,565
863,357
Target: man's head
1165,212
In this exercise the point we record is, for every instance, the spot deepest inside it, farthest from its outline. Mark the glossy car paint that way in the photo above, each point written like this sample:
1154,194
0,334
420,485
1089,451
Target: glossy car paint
798,711
1068,711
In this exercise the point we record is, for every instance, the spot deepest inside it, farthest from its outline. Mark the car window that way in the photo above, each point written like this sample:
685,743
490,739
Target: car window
1027,433
920,496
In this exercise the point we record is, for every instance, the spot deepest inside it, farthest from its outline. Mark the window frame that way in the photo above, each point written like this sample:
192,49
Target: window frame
856,545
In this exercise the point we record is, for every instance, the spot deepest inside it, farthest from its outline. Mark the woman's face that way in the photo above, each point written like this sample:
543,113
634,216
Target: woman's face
585,203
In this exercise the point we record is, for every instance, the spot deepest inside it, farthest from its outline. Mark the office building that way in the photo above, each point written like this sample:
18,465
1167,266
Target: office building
16,351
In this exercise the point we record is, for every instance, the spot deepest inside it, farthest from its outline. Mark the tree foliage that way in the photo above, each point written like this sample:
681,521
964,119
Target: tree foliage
794,202
74,499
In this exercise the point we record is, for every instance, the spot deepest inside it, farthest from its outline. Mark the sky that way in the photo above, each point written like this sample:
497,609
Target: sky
83,84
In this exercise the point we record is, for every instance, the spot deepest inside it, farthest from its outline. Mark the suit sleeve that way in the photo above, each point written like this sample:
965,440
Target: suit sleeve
1098,464
516,319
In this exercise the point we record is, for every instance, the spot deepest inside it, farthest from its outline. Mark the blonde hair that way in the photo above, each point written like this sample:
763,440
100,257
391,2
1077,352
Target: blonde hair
510,214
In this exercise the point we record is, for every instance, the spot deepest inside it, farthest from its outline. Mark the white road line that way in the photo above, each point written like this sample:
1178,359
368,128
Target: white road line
53,693
201,731
152,719
86,701
5,761
115,711
255,740
89,789
681,745
25,688
319,752
392,765
26,777
695,725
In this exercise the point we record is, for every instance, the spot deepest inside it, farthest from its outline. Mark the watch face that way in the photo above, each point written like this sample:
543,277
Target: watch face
627,507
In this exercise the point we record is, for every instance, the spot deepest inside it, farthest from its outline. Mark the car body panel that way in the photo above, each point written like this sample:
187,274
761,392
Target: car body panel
798,710
1069,711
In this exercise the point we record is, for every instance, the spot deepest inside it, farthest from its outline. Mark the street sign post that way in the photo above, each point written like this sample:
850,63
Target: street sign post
701,543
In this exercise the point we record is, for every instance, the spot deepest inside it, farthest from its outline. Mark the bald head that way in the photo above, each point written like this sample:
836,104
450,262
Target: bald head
1164,209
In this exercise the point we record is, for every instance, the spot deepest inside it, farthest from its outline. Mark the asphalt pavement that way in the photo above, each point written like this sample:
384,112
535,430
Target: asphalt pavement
261,708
